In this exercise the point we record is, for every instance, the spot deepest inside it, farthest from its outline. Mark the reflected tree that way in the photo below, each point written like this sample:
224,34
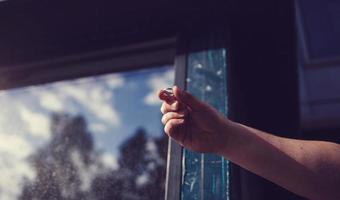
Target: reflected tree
141,175
56,163
60,165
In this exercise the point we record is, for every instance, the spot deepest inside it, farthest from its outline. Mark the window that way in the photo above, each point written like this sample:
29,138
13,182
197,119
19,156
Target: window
93,137
81,146
56,33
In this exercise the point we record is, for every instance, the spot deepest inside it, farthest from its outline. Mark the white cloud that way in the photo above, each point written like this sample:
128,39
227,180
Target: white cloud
37,124
114,81
76,91
15,146
142,179
109,161
86,173
98,128
26,111
14,150
157,82
93,97
50,101
104,111
153,154
14,167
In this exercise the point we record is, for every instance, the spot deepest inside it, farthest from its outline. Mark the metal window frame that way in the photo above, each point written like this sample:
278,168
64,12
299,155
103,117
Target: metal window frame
117,59
175,151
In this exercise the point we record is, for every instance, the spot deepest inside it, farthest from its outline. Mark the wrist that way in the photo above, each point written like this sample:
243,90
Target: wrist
224,141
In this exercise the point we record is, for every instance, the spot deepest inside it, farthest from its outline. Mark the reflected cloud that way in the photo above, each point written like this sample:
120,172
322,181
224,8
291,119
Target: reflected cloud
14,167
114,81
51,102
26,113
36,123
142,179
48,137
157,82
109,161
15,146
98,128
94,96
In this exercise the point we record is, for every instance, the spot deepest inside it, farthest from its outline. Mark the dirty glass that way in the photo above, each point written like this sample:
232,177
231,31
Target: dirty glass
91,138
205,176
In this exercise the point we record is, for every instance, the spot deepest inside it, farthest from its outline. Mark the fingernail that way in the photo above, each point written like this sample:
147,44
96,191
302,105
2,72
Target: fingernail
168,91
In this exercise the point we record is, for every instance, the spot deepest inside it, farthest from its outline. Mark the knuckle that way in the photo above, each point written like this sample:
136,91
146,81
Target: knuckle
175,122
164,108
165,118
173,126
168,127
175,106
182,113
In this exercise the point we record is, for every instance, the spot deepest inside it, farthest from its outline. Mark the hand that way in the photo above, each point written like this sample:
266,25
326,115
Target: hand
192,123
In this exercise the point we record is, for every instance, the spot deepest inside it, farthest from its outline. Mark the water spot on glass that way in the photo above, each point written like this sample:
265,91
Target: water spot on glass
193,183
219,72
198,66
188,80
208,88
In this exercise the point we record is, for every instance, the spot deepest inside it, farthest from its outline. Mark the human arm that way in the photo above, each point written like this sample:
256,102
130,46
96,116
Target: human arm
308,168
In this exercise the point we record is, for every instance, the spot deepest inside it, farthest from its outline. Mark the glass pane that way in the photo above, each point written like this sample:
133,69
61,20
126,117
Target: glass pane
205,175
91,138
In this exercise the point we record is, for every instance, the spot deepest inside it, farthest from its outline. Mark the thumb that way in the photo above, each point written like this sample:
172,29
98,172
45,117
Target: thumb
166,96
186,98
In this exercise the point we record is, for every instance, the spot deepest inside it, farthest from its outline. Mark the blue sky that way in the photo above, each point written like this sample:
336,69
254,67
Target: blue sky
114,106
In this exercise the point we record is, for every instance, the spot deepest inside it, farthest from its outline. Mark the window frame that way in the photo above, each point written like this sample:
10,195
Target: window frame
175,151
144,55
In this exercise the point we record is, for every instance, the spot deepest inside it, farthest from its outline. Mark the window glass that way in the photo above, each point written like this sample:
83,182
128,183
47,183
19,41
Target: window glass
91,138
206,176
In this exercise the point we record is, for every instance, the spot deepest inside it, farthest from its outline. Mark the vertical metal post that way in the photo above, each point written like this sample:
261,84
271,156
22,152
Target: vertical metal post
174,161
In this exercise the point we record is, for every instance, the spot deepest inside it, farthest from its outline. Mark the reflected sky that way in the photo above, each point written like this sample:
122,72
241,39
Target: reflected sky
114,106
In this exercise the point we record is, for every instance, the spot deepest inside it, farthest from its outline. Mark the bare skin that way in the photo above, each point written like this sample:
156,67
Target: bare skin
308,168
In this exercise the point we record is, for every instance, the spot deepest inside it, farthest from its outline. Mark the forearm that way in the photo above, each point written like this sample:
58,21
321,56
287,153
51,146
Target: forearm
308,168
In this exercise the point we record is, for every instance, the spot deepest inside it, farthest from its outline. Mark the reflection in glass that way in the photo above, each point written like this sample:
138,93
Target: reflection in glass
90,138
